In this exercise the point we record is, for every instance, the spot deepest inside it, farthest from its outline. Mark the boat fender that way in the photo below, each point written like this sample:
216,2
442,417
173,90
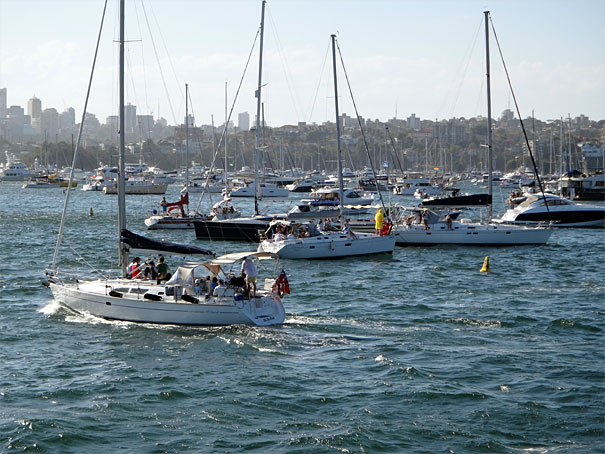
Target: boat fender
152,297
190,299
485,267
115,294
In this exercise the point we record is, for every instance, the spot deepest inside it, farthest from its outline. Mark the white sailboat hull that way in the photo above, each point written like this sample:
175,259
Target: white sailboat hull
329,246
93,298
470,234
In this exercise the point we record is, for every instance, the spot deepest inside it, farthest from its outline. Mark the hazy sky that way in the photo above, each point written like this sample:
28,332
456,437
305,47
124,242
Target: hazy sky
401,56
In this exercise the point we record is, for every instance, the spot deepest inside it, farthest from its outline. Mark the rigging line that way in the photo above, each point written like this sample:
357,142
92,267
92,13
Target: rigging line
395,151
531,154
100,273
289,81
323,67
73,165
176,77
142,59
462,70
365,142
239,87
157,57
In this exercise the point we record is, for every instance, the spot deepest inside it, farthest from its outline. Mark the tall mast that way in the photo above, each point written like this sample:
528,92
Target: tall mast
122,252
187,137
338,158
489,119
225,138
258,107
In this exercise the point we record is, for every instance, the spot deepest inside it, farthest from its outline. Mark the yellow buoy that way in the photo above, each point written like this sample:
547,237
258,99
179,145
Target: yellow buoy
91,213
485,267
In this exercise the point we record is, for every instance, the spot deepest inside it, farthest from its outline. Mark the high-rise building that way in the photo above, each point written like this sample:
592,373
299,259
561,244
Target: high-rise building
67,118
50,123
130,118
3,103
243,121
34,110
413,122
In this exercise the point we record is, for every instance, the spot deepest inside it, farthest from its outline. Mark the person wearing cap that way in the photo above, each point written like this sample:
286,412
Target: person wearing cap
251,273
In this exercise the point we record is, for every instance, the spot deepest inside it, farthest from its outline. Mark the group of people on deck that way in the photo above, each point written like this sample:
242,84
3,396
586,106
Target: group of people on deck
160,272
148,270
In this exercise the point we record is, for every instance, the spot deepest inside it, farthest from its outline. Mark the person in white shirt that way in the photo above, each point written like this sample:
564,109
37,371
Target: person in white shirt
251,273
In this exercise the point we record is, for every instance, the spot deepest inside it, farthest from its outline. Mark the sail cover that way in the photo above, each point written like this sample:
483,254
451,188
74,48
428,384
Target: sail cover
147,244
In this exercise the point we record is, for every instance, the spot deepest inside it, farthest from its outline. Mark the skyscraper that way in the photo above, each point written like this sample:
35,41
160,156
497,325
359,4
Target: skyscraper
3,103
243,121
34,110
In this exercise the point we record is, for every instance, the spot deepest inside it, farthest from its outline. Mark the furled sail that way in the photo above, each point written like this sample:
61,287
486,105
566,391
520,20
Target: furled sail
147,244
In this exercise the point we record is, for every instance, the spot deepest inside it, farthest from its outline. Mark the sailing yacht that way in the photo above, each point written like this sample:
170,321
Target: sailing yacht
314,243
180,300
430,228
245,228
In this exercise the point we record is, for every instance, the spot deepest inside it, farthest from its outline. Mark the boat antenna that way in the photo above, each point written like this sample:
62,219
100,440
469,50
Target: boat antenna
73,164
338,159
510,85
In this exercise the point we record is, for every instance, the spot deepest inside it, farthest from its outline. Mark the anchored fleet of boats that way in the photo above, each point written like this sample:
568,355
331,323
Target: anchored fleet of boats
336,220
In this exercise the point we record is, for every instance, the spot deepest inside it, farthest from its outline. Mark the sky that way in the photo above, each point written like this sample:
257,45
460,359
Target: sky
401,57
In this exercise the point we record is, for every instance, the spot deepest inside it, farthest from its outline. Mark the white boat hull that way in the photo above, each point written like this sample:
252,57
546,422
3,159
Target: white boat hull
470,234
155,188
329,246
93,298
248,191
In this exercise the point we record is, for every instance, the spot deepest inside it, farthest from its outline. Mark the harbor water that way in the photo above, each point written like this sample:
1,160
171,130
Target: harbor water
414,352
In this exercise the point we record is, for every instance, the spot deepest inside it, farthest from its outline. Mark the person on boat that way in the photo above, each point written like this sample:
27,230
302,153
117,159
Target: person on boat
150,270
379,220
164,205
162,268
213,285
448,222
251,273
134,269
346,229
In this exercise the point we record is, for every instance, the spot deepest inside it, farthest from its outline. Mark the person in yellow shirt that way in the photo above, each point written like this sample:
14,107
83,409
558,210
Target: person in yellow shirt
379,219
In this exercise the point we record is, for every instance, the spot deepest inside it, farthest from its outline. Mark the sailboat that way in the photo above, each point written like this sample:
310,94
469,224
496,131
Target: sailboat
313,243
244,228
429,228
181,299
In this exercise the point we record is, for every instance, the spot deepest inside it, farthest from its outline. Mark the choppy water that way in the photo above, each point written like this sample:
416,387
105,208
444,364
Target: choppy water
418,352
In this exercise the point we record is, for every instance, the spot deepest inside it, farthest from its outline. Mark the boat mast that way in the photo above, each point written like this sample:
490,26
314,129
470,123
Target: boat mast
226,129
122,251
258,107
489,120
187,137
338,158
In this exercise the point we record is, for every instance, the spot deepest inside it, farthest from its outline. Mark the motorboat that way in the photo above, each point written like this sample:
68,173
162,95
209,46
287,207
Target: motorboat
538,208
455,199
14,170
266,190
137,185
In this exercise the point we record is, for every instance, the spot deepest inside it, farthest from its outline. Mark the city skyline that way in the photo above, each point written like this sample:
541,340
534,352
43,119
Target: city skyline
426,59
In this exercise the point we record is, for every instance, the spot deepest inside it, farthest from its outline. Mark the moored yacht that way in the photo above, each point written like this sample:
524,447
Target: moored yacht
561,212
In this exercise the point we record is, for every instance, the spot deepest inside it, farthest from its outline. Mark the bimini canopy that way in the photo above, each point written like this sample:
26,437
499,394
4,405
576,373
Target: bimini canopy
147,244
